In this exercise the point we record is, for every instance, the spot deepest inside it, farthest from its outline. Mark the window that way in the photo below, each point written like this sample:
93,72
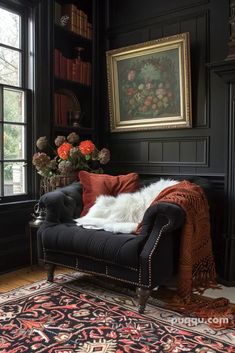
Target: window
14,112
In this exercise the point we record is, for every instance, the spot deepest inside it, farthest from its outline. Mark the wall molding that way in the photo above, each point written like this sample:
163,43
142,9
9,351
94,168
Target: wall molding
146,159
152,20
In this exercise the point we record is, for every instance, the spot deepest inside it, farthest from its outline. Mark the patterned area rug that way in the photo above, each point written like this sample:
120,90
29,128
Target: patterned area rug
75,315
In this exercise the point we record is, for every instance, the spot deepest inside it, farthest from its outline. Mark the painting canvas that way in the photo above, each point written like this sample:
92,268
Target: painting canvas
149,85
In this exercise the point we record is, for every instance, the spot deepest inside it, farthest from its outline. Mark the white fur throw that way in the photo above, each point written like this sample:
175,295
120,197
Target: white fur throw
122,214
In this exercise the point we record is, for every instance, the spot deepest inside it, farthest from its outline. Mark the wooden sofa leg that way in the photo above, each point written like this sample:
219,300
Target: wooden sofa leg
143,295
50,272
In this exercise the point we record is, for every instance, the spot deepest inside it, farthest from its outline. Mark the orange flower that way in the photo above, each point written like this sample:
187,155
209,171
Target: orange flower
63,150
86,147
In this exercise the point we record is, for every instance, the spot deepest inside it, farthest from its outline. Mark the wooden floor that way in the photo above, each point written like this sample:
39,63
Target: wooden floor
25,276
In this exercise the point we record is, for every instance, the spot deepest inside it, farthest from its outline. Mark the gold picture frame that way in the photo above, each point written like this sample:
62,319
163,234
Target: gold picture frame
149,85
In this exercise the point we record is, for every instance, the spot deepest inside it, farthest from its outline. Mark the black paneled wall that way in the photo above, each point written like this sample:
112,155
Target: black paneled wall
200,150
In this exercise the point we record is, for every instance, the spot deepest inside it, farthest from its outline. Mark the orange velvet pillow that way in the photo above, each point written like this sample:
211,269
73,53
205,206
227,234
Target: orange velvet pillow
95,185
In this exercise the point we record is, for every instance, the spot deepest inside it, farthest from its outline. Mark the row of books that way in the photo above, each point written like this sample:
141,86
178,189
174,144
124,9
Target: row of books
77,21
72,69
62,105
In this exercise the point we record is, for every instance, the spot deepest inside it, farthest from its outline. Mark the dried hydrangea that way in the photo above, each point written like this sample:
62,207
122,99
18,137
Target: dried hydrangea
65,167
74,152
104,156
42,143
59,140
41,160
73,138
53,164
42,163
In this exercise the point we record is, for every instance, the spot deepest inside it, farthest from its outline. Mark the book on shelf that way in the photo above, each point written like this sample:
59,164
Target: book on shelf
62,106
77,21
75,70
57,62
71,11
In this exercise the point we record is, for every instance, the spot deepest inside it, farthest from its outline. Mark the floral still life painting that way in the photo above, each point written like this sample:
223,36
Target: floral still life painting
149,85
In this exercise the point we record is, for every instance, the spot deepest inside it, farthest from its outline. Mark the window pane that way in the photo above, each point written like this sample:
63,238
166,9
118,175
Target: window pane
9,67
9,28
13,105
13,142
14,178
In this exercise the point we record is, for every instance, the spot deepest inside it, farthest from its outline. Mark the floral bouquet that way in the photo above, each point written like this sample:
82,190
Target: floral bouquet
69,156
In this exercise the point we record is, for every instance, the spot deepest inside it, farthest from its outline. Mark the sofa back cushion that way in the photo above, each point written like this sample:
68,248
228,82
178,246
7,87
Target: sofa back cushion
63,205
95,185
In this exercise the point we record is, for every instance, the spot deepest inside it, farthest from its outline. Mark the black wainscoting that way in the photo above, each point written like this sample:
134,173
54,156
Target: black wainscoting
14,240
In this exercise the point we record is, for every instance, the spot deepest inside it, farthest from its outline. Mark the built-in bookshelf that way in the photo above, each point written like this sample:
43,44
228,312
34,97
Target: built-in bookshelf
73,46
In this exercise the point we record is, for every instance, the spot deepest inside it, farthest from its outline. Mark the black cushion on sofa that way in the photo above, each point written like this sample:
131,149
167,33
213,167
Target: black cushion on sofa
63,204
122,249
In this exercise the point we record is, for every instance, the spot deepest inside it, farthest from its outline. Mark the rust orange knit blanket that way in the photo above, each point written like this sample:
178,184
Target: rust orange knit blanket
196,262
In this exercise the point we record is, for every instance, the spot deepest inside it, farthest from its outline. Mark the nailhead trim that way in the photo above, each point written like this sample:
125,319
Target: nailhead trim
94,258
100,274
154,247
140,273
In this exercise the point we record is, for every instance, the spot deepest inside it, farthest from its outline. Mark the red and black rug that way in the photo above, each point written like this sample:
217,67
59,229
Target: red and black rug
74,315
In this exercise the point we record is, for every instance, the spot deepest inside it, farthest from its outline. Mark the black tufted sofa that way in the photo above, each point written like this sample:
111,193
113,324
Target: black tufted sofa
145,261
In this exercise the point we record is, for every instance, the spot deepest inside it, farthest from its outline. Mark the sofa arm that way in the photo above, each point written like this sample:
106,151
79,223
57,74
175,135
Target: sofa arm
171,213
161,221
63,205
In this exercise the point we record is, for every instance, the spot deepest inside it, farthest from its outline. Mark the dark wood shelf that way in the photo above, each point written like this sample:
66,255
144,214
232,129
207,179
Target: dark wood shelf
68,129
61,82
75,40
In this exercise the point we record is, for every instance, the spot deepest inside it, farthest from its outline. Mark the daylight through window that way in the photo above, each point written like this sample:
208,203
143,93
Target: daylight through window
13,122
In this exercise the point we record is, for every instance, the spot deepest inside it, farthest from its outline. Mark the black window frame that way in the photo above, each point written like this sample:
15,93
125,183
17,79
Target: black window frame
25,11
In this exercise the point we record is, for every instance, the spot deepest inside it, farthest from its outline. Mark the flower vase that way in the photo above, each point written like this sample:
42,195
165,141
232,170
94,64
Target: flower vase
48,184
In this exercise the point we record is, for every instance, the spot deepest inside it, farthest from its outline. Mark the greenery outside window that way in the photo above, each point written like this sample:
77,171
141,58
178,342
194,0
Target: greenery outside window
14,104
